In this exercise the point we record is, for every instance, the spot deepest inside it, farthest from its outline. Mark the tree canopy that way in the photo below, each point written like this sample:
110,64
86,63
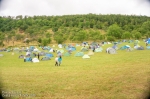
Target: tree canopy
75,27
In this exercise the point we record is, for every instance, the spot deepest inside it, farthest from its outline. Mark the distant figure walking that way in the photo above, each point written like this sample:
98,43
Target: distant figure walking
59,60
24,58
38,56
56,61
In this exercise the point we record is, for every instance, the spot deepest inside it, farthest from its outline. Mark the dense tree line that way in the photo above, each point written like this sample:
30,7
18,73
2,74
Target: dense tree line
74,28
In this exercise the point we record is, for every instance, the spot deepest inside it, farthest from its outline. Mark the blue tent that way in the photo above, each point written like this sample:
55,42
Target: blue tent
45,58
31,48
148,47
49,55
46,48
123,47
28,59
71,48
148,40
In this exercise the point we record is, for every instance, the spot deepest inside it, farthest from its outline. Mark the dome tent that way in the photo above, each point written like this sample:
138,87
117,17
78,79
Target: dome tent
78,54
35,60
86,56
45,58
90,52
98,49
110,50
67,54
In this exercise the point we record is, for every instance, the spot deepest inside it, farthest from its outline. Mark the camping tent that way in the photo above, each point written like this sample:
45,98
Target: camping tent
98,49
1,55
148,40
90,52
86,56
16,50
51,50
148,47
36,50
35,60
21,56
60,45
45,58
111,50
135,47
84,49
42,53
125,47
78,54
46,48
67,54
28,59
71,48
28,53
140,48
62,51
49,55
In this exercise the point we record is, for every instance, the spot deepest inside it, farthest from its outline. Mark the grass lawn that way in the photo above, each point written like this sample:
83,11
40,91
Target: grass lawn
124,75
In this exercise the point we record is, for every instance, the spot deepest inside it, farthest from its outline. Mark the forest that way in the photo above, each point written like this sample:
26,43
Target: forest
72,28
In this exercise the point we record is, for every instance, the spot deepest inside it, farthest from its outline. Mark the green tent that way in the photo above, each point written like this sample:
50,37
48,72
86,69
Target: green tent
98,49
79,54
84,49
67,54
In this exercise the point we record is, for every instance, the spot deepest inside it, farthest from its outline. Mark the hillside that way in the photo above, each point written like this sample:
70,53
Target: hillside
73,28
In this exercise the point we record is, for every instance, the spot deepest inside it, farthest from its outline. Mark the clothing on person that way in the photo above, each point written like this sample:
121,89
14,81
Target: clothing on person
56,61
59,60
24,59
38,56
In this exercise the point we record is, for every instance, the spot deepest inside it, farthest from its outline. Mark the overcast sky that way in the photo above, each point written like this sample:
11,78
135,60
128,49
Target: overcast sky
69,7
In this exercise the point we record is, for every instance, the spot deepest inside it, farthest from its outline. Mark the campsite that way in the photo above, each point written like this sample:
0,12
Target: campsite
98,75
81,56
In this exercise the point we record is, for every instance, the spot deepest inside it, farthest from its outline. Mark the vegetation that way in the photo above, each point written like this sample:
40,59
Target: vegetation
60,29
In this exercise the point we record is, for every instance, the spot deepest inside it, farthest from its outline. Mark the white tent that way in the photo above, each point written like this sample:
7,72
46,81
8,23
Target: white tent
1,55
60,45
90,52
111,50
27,53
86,56
35,60
36,50
51,50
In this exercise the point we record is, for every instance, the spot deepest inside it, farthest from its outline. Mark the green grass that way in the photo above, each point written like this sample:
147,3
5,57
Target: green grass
120,76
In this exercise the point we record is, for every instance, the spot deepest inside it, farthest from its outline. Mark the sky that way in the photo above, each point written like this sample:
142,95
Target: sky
72,7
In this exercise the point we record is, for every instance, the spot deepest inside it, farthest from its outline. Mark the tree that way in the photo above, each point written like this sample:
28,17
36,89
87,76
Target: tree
45,42
137,35
126,35
2,36
110,38
59,37
95,35
115,31
81,35
27,41
145,27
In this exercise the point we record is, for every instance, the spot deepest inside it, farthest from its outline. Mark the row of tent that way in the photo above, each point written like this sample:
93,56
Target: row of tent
137,47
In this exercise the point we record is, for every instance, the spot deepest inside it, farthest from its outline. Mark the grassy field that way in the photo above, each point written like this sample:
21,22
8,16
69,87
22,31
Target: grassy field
124,75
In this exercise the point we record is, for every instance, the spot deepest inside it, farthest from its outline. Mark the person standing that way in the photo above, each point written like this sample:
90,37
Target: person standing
38,56
56,61
59,60
24,58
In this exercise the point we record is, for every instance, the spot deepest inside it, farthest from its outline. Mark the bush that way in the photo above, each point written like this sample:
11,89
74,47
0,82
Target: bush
110,38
